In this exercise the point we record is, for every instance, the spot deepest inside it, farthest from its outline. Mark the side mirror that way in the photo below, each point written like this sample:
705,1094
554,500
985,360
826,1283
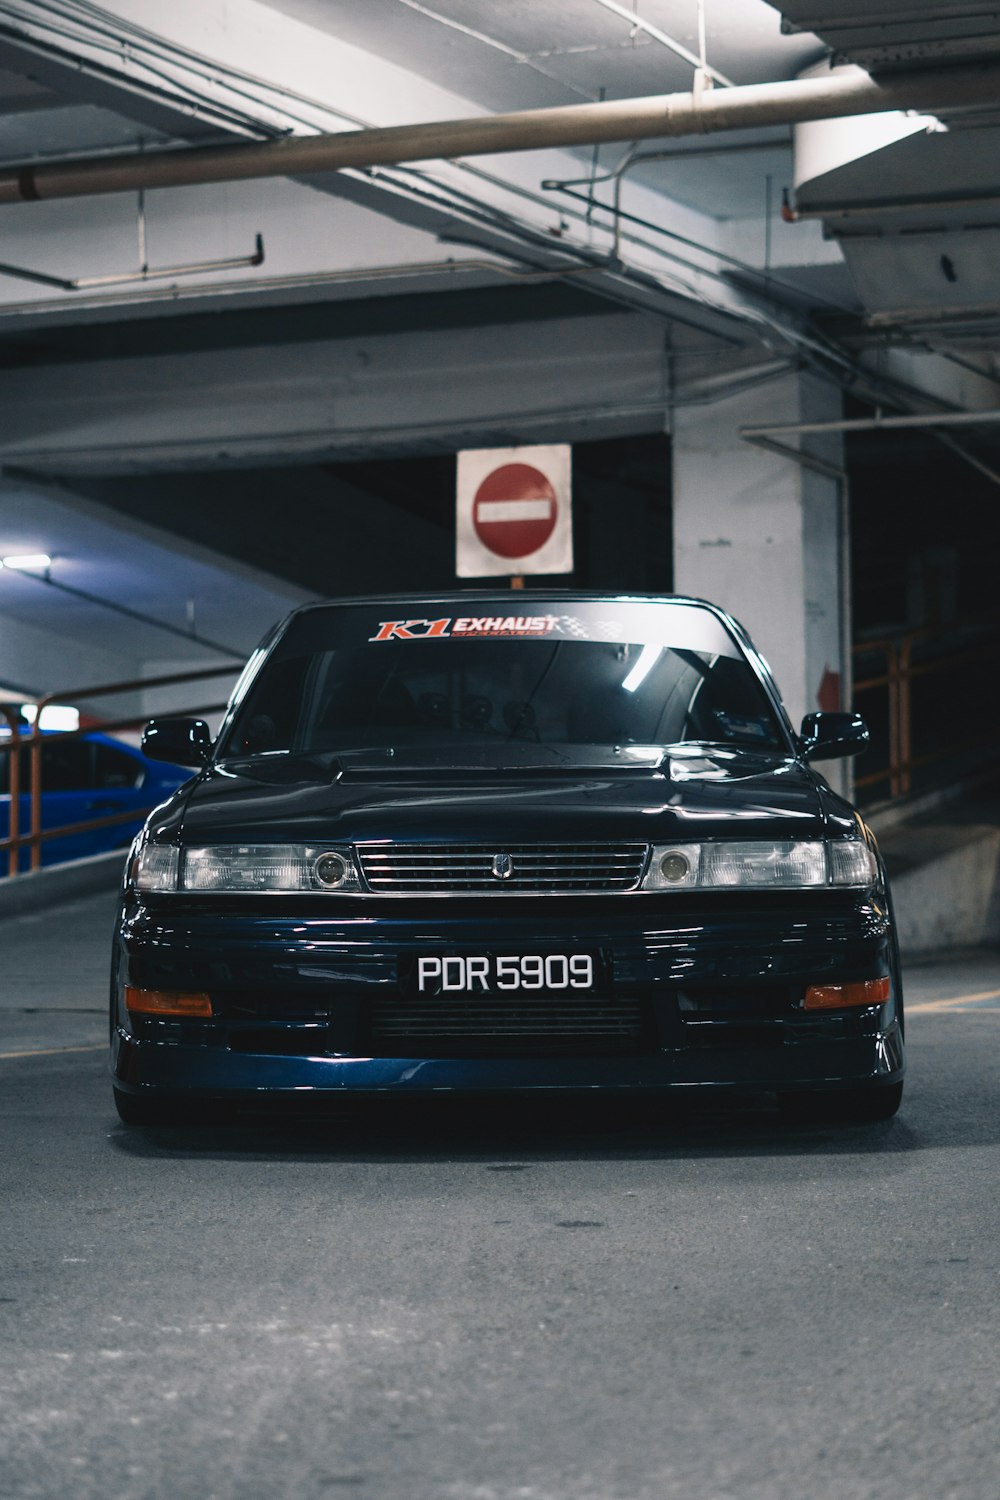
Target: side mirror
183,742
828,736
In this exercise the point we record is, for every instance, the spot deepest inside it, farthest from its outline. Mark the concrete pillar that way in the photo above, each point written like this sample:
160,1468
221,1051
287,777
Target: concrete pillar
765,537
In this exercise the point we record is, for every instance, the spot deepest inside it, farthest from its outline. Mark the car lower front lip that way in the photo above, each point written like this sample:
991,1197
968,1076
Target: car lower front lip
148,1069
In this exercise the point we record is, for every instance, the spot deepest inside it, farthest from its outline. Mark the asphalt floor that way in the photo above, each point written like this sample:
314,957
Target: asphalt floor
502,1302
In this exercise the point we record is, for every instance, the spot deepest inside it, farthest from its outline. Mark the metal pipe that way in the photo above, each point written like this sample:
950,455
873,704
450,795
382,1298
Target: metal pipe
157,273
799,456
905,716
637,158
934,317
970,458
305,280
931,422
13,749
35,804
873,424
134,685
671,153
892,656
866,208
851,92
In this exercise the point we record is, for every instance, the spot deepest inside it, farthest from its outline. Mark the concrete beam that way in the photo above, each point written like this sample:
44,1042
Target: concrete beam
511,382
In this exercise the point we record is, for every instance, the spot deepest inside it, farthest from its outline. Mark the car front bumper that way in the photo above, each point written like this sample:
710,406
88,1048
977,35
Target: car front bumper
718,985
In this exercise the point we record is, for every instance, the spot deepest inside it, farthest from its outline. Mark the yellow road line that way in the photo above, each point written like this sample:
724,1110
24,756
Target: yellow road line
53,1051
954,1003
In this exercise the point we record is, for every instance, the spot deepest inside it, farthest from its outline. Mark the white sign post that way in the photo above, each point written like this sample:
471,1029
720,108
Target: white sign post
513,511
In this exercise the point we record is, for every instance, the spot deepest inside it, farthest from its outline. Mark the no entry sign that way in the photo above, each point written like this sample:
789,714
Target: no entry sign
513,511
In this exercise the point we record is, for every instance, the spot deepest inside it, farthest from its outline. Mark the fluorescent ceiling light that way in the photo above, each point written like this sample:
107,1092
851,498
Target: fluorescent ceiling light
54,716
28,561
59,716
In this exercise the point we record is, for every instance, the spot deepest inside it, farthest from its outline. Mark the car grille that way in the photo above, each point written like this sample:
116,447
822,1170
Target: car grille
443,1026
457,869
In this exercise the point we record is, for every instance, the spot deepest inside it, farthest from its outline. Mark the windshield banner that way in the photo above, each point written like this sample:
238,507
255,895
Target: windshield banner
683,626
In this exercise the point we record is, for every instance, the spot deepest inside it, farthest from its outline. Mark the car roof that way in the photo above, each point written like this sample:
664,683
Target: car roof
508,595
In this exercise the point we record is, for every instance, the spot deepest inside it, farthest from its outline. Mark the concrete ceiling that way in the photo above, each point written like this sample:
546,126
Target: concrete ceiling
884,35
131,74
711,284
522,54
447,227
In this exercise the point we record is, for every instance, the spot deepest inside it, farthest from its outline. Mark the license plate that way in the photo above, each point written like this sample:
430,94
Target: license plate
502,973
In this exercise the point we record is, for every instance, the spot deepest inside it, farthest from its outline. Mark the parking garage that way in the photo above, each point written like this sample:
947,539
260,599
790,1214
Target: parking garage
284,284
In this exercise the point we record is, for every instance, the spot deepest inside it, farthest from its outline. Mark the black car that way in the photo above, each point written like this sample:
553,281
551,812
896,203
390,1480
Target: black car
493,842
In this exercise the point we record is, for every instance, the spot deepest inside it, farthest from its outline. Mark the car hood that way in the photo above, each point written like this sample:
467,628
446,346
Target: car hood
688,792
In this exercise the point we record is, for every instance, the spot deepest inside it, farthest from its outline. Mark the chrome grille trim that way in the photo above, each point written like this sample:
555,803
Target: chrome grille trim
466,869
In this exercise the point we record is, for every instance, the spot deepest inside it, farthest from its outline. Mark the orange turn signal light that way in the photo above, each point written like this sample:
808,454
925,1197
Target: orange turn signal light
837,996
166,1003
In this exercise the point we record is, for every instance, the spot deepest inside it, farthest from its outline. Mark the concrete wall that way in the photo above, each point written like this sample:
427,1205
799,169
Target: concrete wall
951,897
762,536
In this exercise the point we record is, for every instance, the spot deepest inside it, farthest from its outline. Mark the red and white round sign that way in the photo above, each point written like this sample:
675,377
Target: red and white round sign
515,510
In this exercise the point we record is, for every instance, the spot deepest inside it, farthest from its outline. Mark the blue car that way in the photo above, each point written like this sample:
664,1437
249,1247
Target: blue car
85,778
438,845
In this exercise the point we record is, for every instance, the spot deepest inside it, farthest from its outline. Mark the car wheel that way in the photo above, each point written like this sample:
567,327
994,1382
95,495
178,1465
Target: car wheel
860,1106
134,1110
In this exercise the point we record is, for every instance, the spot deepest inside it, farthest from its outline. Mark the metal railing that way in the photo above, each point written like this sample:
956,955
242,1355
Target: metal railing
32,742
915,736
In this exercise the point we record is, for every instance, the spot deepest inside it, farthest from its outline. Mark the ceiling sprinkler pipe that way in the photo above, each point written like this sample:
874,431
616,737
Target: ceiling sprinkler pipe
877,423
847,92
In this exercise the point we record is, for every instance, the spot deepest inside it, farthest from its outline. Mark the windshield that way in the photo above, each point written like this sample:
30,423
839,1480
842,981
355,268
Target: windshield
344,679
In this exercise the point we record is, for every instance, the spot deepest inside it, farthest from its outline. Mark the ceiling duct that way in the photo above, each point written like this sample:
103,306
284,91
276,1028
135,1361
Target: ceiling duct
913,204
705,109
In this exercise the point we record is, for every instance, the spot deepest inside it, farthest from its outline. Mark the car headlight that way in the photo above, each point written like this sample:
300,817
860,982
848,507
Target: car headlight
756,865
257,868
